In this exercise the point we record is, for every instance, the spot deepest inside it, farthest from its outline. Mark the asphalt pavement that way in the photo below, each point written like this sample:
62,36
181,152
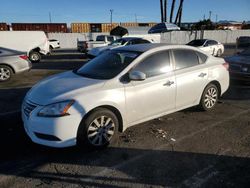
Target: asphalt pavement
189,148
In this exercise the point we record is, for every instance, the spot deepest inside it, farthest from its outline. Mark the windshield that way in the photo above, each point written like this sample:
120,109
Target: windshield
245,52
118,42
196,42
100,38
108,65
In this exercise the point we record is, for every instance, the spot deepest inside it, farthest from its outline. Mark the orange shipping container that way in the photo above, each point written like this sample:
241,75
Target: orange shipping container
106,27
80,27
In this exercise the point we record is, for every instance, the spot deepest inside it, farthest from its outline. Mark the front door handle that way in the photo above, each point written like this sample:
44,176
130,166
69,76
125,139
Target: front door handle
168,83
202,74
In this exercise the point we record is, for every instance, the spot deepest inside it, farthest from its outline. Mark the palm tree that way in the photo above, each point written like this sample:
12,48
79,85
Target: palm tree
172,11
162,14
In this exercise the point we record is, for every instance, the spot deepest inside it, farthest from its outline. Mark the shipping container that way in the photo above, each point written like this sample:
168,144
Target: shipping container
80,27
106,27
129,24
95,27
4,27
46,27
151,24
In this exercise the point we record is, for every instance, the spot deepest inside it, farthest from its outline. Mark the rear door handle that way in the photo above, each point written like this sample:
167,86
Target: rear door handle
168,83
202,74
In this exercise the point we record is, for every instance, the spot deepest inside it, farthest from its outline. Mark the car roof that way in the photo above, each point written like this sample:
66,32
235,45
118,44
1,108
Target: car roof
149,46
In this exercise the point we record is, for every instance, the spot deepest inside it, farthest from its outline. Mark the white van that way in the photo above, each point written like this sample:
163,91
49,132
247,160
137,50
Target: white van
34,43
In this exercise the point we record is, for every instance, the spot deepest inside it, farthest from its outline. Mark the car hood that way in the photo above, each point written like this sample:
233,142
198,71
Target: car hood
238,59
64,86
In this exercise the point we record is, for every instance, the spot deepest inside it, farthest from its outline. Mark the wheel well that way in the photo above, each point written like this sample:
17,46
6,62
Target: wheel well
112,109
35,50
9,67
217,85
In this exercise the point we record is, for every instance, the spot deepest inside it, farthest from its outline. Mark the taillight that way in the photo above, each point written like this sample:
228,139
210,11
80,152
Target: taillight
25,57
86,45
226,65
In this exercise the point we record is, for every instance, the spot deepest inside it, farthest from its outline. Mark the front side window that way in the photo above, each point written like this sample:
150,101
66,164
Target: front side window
185,58
107,65
154,65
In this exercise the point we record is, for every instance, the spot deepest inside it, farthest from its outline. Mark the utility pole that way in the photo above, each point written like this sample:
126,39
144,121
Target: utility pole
210,14
135,18
111,16
50,17
204,17
216,18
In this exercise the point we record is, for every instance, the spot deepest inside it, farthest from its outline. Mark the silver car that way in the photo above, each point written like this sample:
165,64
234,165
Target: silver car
12,62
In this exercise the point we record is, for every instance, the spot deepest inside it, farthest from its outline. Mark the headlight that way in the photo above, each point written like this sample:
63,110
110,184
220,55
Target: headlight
56,109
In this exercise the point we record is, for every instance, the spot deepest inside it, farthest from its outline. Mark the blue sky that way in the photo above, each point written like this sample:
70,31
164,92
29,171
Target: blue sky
124,10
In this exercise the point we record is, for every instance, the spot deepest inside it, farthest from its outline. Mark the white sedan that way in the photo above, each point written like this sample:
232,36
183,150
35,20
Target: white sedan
121,88
212,47
54,44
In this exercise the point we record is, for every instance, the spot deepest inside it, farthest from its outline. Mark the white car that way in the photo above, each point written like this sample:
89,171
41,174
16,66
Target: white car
33,43
121,88
12,62
117,43
54,44
212,47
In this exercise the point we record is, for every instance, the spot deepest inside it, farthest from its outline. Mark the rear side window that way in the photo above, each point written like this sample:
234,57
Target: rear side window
154,65
202,57
211,42
185,58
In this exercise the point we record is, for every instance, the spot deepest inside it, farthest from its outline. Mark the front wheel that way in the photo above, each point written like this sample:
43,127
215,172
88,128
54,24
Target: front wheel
209,97
5,73
219,53
99,129
35,56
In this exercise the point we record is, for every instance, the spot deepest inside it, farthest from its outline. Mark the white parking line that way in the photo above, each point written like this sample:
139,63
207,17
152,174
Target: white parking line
110,169
9,113
202,176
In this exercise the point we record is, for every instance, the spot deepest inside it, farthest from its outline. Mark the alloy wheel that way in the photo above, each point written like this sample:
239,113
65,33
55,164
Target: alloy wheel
4,74
211,97
101,130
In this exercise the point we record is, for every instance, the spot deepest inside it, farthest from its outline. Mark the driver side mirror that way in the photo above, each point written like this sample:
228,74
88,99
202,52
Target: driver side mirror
137,76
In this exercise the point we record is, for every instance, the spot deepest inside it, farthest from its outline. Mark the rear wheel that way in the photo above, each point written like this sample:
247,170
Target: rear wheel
99,129
5,73
34,56
209,97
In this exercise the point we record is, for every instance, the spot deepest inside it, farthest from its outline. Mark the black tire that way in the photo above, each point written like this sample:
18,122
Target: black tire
35,57
209,97
6,73
89,134
50,49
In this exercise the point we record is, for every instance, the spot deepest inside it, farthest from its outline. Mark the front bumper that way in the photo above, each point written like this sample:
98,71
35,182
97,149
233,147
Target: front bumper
62,130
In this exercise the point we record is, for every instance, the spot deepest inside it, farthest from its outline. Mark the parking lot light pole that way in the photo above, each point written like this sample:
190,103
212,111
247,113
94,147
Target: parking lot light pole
111,16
